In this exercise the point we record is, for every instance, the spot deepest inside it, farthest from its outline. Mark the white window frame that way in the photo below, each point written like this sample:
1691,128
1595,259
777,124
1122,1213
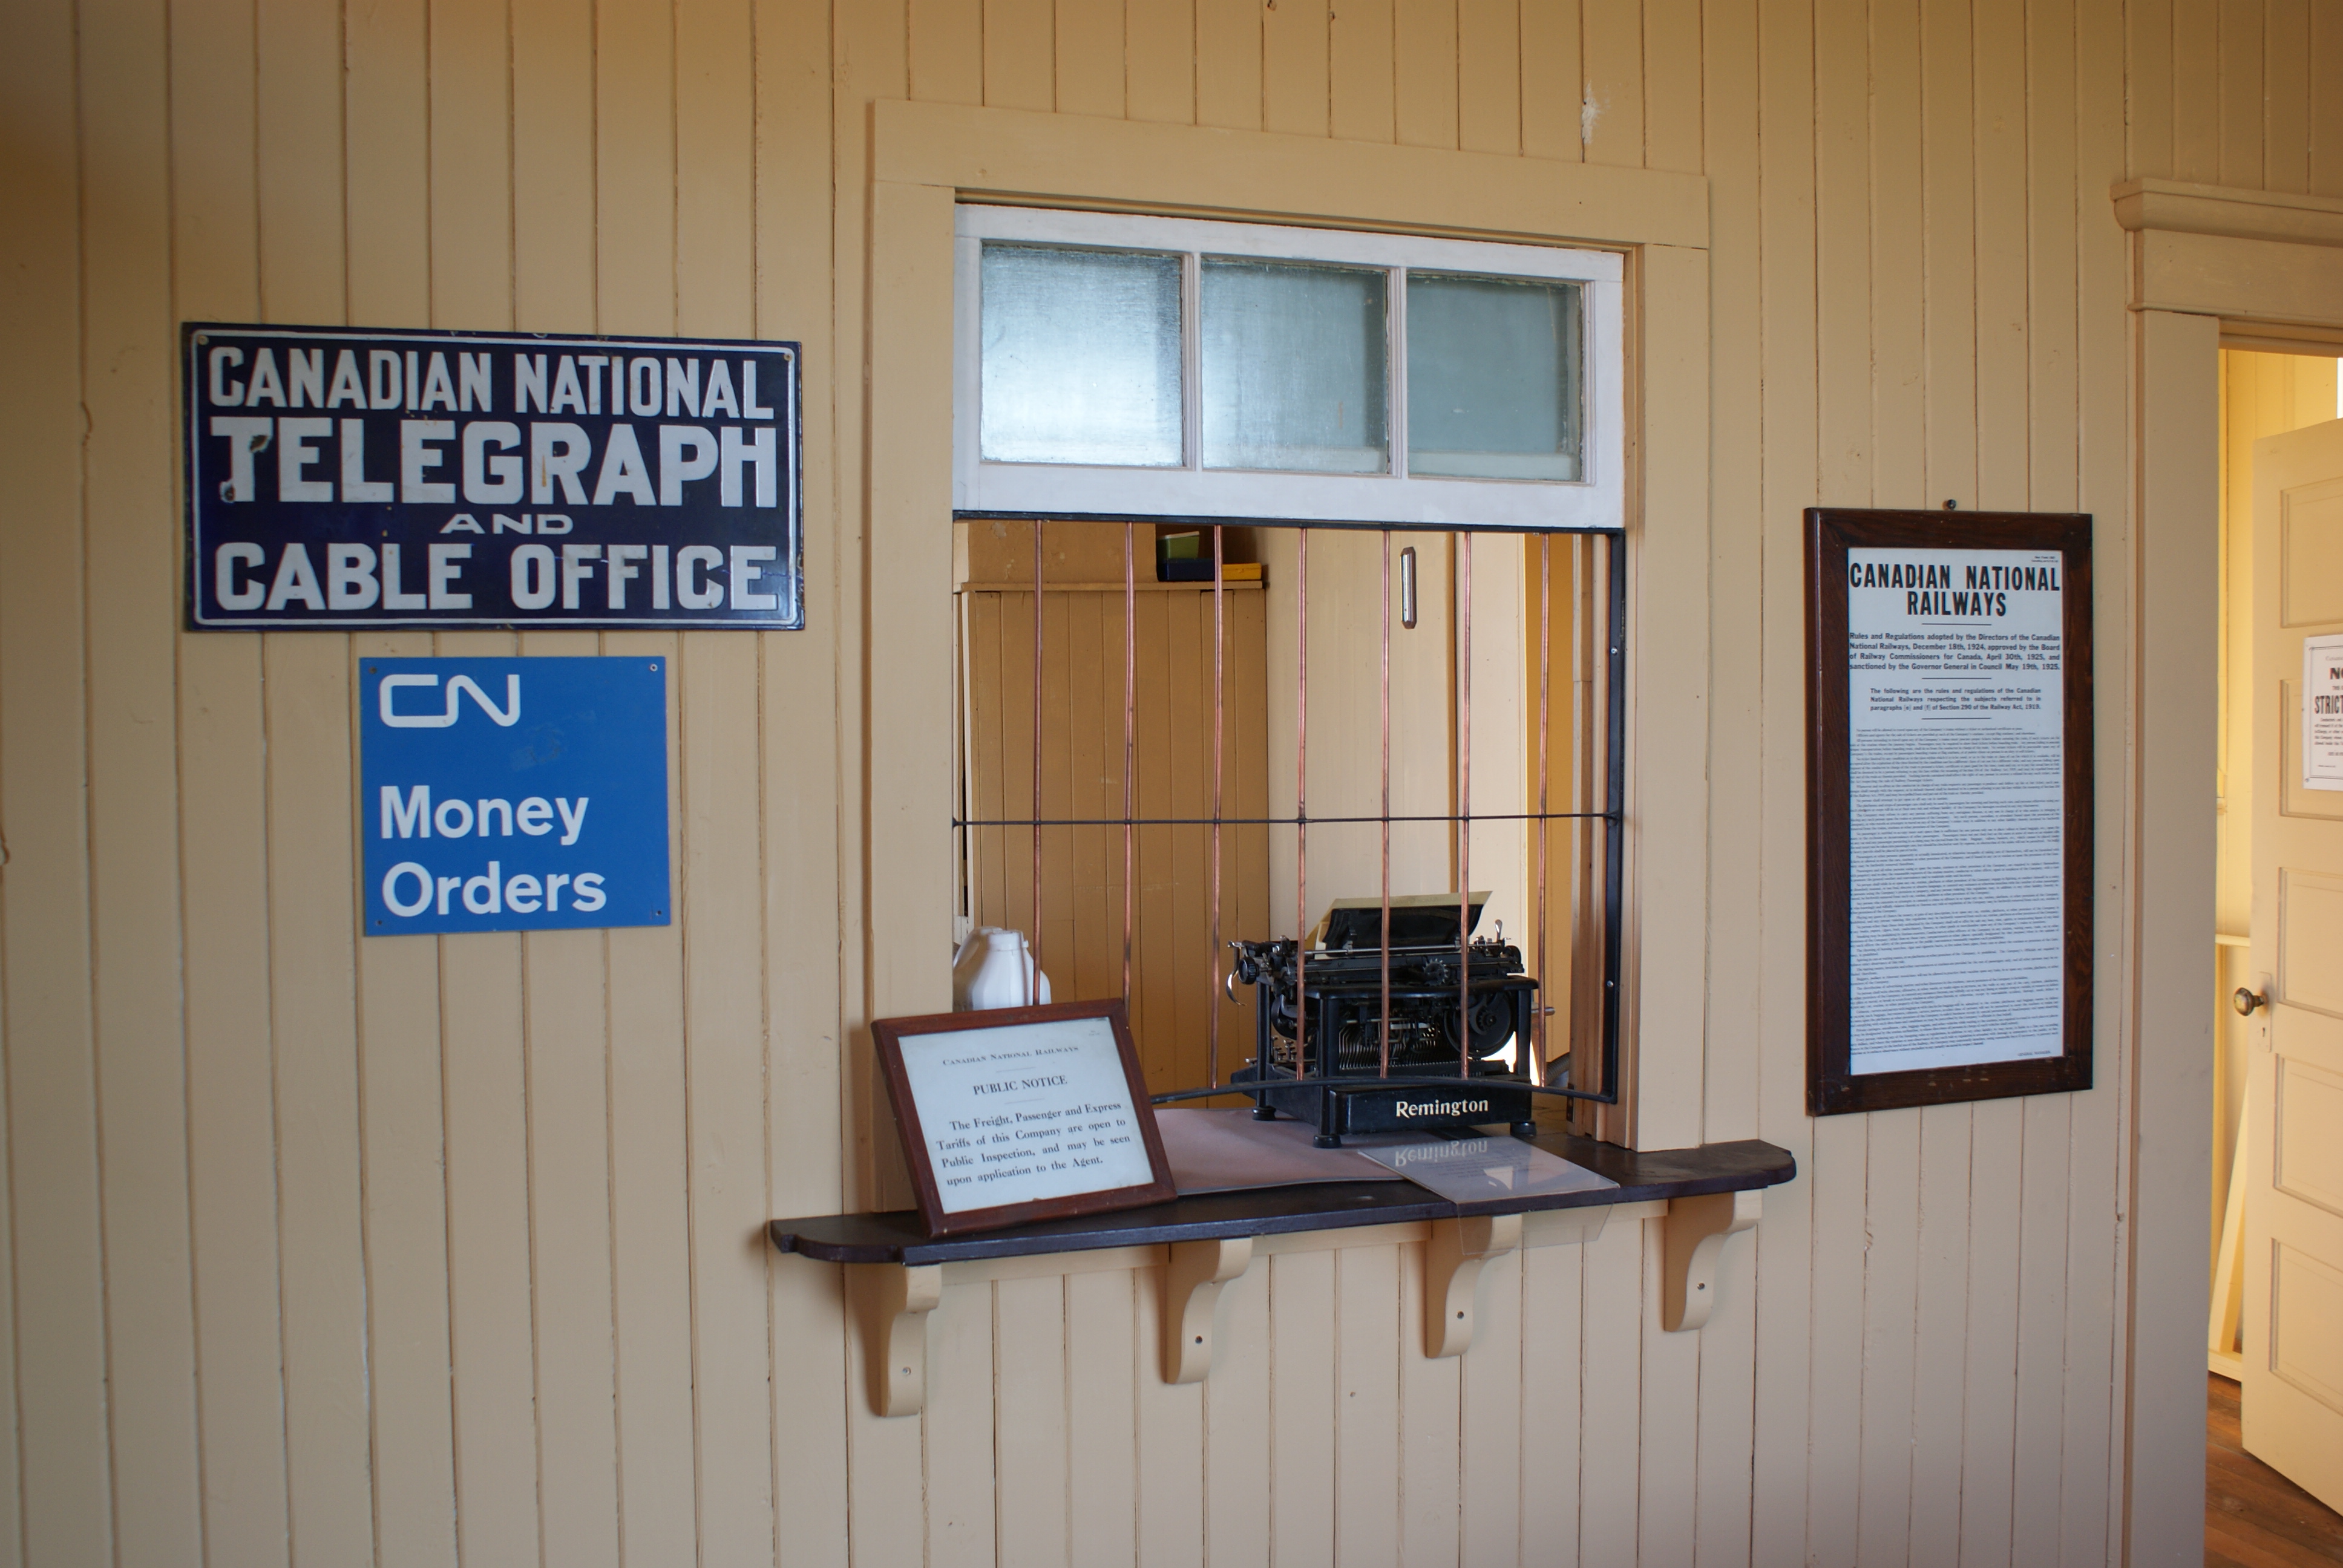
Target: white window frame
1595,500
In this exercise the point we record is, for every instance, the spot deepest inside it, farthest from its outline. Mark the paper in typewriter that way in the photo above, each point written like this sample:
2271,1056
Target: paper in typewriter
1476,1169
1956,753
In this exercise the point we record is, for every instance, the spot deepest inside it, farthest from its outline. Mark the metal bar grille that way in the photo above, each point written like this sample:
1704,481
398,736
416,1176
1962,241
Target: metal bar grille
1129,738
1220,770
1033,986
1545,738
1464,811
1300,770
1593,565
1383,923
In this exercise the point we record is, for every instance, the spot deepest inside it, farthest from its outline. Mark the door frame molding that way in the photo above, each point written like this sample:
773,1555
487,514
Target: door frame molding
2204,261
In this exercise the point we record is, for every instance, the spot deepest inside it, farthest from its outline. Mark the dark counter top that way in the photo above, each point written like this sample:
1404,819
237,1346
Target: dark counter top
900,1237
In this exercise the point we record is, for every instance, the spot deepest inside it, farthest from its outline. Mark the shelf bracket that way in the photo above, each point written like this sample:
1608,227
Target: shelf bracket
894,1300
1696,1230
1193,1278
1452,1260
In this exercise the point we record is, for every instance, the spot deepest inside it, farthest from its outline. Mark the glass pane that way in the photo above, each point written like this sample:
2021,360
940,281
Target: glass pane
1081,357
1492,377
1294,367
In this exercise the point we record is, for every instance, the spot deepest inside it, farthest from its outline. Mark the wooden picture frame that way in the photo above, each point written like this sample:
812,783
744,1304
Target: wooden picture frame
1837,541
1018,1115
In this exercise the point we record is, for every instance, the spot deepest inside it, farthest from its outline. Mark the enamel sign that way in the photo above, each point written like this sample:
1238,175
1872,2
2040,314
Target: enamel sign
513,794
348,477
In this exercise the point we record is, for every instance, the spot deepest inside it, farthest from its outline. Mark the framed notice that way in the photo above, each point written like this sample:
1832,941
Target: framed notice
341,478
1022,1113
1949,807
2322,713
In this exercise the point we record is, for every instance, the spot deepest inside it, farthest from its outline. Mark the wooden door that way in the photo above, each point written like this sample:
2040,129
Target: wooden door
2293,1388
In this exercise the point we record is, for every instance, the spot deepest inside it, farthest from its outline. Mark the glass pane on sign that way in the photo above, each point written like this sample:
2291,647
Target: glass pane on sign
1494,377
1081,357
1294,367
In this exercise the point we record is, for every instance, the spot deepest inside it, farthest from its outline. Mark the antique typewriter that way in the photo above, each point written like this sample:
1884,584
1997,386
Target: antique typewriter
1318,1022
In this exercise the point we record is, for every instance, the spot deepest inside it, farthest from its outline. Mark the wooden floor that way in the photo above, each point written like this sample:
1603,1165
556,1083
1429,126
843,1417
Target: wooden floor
2255,1517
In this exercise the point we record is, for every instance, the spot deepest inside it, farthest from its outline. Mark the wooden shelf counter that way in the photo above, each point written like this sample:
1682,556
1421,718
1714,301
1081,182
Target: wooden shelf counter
1207,1242
1643,1176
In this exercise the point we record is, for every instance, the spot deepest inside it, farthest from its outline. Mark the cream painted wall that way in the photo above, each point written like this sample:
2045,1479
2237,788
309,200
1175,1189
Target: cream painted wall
415,1252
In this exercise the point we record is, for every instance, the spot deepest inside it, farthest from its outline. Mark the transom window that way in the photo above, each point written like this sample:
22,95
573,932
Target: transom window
1109,364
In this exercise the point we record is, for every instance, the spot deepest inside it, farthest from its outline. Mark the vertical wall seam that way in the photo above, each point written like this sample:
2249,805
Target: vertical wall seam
1813,239
1644,90
260,221
1968,1129
448,1245
992,1368
2026,164
528,1044
1977,262
1066,1411
512,162
357,965
593,174
8,1098
364,1305
88,808
430,208
359,1057
1762,998
178,792
2010,1540
764,650
690,1117
1139,1280
276,1100
675,179
1521,150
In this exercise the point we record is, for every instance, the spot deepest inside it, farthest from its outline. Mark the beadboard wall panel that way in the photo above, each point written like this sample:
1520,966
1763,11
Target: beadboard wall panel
427,1251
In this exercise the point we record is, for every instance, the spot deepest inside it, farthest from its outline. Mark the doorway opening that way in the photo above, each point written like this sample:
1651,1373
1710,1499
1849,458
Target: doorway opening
2252,1509
2262,395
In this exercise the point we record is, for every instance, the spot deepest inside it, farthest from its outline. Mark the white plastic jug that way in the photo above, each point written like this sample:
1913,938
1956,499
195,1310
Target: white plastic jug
995,969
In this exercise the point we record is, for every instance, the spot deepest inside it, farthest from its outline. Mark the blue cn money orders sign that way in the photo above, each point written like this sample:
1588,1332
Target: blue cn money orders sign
349,477
513,794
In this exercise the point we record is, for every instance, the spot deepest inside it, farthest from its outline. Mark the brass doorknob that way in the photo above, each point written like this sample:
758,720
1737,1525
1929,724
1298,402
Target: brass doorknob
2245,999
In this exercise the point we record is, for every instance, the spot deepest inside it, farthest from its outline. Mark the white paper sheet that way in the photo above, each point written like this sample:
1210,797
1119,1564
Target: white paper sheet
1955,737
1025,1111
1476,1169
2322,713
1228,1151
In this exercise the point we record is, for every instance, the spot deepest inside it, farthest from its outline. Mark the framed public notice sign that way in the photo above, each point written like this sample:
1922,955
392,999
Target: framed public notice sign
1950,802
1022,1113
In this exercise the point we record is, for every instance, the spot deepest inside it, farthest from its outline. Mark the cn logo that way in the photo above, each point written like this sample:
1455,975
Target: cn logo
505,717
